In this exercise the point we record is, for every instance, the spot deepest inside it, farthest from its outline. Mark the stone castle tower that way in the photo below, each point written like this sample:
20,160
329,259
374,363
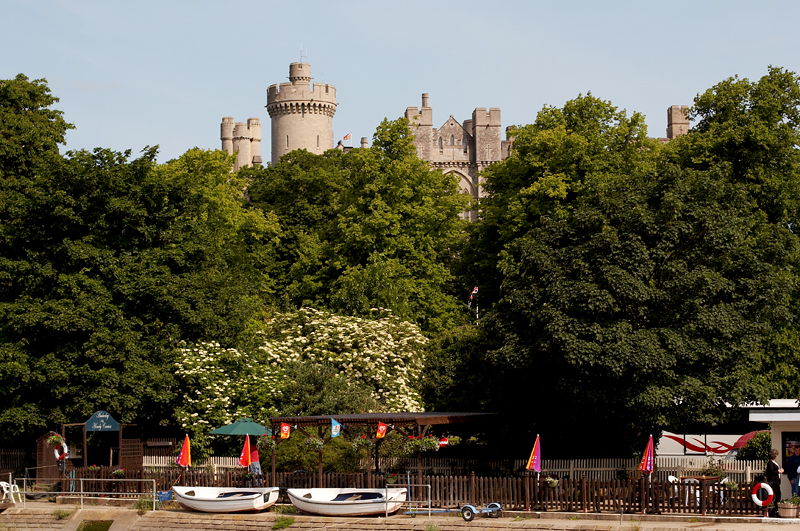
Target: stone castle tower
243,139
301,113
463,149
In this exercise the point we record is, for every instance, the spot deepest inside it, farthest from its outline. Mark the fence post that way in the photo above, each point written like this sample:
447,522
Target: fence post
527,488
747,474
571,468
584,494
472,487
703,497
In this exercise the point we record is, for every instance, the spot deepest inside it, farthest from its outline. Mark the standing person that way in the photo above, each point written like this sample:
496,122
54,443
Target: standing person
791,470
774,472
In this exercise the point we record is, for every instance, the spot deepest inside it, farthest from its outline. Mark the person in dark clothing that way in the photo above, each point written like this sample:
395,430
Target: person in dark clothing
774,472
791,470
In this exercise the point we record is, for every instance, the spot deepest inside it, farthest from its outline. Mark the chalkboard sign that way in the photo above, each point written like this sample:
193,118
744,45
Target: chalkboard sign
102,421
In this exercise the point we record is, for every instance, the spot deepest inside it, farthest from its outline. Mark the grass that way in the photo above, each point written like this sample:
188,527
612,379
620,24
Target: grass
283,522
144,504
62,514
573,518
283,509
520,518
432,527
95,525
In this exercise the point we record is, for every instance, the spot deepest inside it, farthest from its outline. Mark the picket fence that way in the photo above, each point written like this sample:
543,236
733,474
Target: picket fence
162,461
599,469
520,493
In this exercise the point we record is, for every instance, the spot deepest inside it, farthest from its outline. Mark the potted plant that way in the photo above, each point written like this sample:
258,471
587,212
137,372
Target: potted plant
119,473
787,508
314,443
55,440
391,479
731,485
551,482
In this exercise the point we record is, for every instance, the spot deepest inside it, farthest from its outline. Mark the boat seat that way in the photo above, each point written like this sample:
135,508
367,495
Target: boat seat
235,494
353,496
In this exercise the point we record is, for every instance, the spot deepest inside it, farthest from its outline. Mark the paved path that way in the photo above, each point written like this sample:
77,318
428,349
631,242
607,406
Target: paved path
40,516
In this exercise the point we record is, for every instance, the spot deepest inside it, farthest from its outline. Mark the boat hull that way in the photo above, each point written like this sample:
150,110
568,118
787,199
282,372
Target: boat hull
347,502
231,500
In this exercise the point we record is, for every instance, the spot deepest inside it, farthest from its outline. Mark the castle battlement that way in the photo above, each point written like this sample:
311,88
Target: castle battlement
241,138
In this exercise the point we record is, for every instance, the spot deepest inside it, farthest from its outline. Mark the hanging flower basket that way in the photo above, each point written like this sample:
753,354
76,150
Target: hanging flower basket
551,482
423,444
361,442
55,440
266,443
314,443
119,473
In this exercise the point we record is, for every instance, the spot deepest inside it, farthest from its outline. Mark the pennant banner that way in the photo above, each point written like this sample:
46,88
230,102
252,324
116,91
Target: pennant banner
647,459
336,429
535,460
244,458
381,430
471,296
285,431
185,456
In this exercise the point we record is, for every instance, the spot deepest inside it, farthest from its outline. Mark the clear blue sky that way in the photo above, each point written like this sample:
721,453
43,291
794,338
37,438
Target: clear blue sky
131,74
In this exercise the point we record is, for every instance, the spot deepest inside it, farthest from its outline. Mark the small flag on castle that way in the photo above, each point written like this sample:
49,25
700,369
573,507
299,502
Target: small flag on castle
348,136
472,296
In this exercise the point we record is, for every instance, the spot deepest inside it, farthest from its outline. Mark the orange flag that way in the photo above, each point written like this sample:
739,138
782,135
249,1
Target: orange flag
381,430
185,457
244,457
284,430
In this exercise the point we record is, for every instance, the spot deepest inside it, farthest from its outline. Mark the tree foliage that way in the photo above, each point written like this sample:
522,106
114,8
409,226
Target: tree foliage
373,228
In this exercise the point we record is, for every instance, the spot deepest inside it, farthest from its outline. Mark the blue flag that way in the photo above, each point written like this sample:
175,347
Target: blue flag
336,428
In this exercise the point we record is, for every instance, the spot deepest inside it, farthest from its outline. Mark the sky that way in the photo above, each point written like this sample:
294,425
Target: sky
136,74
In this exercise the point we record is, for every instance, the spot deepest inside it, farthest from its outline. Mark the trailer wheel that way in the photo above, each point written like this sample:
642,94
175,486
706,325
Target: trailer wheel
496,513
467,513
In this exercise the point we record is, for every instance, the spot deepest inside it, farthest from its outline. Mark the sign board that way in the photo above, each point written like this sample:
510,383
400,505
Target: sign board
102,421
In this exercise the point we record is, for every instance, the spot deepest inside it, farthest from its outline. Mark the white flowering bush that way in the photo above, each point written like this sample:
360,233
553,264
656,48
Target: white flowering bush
224,384
384,353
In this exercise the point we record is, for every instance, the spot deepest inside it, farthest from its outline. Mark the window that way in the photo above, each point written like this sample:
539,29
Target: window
317,140
441,146
465,143
452,140
287,141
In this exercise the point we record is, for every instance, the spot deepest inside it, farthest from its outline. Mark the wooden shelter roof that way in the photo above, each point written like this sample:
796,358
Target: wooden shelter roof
404,419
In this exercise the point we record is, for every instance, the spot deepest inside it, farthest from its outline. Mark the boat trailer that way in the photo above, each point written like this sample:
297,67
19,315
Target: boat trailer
467,511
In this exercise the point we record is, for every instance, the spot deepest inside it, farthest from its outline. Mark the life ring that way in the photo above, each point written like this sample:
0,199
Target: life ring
65,455
756,499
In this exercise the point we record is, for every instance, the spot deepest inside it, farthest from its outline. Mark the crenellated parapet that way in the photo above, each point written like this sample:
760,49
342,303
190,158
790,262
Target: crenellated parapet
241,138
301,113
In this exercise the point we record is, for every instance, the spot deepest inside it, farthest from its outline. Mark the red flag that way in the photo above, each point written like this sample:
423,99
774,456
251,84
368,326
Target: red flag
381,430
284,431
245,458
535,460
647,459
185,457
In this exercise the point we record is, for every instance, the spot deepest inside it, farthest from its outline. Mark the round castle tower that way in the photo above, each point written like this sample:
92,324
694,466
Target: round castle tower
301,113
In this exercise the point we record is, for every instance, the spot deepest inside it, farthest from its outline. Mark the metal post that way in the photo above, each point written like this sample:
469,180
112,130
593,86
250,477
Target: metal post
81,493
154,494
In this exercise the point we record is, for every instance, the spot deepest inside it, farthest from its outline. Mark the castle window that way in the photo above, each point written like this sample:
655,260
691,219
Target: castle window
452,140
317,140
441,146
464,141
287,141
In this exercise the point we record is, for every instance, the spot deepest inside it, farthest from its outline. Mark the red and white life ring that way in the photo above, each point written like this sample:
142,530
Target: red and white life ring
65,455
756,499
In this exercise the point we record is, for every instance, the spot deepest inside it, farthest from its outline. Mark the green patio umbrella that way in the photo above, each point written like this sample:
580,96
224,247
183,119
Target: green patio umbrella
242,427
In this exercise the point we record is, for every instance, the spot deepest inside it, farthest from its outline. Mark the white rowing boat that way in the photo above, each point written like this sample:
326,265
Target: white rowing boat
347,502
218,500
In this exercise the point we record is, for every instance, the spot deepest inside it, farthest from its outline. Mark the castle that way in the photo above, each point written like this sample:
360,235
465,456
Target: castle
302,118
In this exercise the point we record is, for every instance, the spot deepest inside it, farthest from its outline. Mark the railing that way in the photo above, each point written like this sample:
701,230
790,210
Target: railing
521,493
118,487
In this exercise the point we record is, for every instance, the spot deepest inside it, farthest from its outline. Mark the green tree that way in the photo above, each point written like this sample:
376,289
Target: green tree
105,264
29,128
552,162
648,306
373,228
757,448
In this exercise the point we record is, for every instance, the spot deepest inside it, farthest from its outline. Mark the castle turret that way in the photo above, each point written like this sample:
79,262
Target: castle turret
677,121
244,139
301,113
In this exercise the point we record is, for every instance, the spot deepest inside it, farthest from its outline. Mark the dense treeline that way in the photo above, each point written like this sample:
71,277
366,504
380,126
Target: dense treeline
625,286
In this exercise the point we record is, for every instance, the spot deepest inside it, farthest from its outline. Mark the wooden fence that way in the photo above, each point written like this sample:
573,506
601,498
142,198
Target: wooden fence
12,458
520,493
163,461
